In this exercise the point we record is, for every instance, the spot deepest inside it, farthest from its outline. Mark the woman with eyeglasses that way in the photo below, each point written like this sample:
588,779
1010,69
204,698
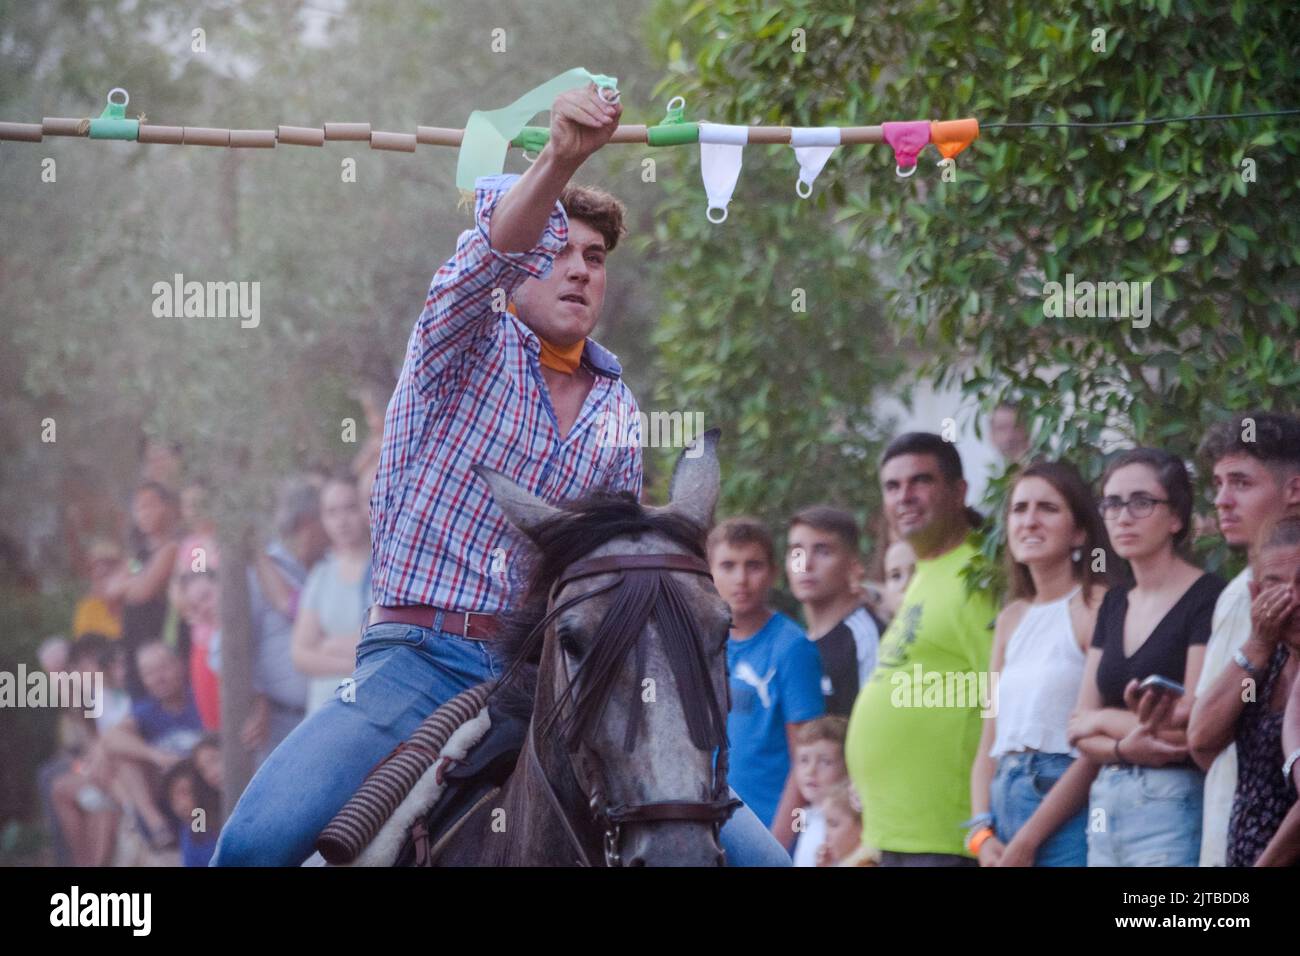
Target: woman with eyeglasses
1132,713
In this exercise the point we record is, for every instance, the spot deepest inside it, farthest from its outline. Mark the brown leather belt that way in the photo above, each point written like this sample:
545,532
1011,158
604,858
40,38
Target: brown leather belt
474,626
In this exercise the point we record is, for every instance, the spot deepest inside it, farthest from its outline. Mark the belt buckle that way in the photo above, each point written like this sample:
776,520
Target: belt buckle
464,626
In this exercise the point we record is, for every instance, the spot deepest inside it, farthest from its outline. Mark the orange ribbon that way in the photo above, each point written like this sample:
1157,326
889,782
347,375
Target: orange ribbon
950,137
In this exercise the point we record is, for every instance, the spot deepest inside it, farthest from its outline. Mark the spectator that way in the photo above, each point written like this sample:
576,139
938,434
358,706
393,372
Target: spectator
1145,805
900,565
911,764
163,727
336,595
200,601
819,767
774,675
207,760
1028,792
96,613
197,551
161,463
1254,481
843,844
142,587
1008,433
54,655
275,585
823,562
373,399
193,808
1228,712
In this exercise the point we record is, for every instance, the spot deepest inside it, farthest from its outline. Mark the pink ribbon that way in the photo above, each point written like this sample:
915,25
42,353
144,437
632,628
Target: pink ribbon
908,139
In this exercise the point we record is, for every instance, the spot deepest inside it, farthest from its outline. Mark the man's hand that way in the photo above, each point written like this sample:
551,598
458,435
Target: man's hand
581,123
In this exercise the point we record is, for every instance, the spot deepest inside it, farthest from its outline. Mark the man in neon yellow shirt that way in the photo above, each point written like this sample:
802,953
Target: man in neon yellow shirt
915,725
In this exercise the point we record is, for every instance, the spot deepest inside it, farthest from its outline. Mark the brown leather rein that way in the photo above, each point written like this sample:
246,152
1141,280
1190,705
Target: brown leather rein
611,819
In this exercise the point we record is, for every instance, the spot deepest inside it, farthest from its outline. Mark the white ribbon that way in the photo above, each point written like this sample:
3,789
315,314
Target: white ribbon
720,157
812,148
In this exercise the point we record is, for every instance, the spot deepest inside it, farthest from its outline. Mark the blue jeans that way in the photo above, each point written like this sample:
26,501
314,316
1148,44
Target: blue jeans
1019,786
403,674
1145,816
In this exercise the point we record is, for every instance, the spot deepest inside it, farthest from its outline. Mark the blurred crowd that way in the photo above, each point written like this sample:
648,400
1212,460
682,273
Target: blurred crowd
140,783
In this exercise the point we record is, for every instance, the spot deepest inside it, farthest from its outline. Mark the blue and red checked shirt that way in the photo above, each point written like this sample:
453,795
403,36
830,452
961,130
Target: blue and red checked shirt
471,392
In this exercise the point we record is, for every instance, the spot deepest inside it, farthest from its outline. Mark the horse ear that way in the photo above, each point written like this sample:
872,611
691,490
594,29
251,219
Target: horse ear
523,508
693,490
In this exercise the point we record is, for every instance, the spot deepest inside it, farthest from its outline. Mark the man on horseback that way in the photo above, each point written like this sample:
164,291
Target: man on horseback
524,392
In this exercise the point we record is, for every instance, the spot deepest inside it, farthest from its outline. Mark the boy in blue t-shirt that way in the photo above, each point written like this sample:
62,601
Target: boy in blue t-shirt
774,672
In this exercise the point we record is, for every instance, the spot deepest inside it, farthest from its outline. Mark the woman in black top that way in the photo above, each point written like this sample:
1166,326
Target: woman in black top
1145,805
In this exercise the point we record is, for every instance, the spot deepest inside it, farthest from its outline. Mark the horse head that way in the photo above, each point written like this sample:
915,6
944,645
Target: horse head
630,696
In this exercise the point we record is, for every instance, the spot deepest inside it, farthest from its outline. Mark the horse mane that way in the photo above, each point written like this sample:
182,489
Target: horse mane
583,525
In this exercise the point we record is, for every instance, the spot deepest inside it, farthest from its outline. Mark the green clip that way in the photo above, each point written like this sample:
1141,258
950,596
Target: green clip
532,139
673,130
112,123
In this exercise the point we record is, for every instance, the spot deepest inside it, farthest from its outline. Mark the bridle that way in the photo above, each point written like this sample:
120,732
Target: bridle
587,772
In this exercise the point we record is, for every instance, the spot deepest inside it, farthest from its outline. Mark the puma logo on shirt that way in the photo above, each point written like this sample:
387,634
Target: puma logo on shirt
747,674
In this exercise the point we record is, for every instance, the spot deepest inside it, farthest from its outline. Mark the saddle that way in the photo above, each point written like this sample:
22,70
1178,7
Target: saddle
457,756
469,781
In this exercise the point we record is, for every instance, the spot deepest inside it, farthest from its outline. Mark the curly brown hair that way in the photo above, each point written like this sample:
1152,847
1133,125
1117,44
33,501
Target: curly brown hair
598,209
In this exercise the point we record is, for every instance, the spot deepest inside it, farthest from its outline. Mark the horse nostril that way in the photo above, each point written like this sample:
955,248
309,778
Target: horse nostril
636,861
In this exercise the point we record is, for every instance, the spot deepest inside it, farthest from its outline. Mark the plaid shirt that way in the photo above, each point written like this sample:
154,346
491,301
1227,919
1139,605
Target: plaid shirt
471,391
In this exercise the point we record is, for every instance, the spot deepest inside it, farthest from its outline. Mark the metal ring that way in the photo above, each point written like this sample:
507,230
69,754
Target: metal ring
902,175
531,159
708,214
601,91
674,100
118,89
802,194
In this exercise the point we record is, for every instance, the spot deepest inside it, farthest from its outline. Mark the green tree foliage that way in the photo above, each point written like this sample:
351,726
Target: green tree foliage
1194,209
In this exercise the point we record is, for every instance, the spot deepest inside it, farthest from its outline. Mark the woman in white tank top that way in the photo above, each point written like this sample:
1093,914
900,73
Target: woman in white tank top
1057,553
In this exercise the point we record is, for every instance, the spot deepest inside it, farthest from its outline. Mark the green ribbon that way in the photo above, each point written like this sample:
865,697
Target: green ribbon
488,133
113,124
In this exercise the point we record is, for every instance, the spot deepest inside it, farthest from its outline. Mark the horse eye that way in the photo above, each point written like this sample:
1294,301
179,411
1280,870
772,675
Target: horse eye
569,642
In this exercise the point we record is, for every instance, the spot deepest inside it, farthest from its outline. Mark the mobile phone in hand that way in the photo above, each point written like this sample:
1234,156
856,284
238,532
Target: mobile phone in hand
1162,684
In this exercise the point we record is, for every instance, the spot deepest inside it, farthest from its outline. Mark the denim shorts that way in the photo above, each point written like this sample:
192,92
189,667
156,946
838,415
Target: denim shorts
404,673
1019,786
1145,816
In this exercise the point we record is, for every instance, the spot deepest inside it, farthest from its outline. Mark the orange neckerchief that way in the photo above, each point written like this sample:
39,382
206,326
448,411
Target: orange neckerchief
559,358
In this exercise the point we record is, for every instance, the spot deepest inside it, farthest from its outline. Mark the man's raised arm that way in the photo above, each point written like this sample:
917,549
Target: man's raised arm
516,236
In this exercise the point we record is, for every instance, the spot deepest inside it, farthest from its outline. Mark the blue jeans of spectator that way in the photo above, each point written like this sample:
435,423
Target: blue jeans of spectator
1145,816
1019,787
403,674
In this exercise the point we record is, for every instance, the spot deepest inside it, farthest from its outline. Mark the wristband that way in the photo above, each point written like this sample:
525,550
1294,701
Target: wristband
1242,661
1119,756
1290,762
979,820
977,839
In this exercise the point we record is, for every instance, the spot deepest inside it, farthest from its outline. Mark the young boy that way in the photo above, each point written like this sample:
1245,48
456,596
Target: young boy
774,674
822,560
819,768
